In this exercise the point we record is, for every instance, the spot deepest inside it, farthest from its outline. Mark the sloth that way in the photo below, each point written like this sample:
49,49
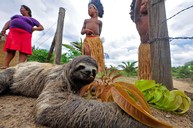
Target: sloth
57,87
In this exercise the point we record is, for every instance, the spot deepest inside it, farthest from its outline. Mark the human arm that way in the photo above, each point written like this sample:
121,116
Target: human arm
38,28
6,26
36,25
137,10
100,27
85,30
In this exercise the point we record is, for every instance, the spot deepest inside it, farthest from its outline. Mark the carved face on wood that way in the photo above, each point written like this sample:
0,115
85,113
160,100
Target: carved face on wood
143,8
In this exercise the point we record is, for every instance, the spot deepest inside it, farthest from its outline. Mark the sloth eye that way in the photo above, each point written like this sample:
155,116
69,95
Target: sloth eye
94,71
80,67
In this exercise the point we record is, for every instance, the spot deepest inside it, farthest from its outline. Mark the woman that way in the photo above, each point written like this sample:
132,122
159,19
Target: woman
19,37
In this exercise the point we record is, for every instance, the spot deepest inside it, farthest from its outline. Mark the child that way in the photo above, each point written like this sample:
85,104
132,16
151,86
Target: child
92,27
139,15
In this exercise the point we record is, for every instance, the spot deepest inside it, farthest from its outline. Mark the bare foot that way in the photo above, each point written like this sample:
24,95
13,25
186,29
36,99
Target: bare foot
4,67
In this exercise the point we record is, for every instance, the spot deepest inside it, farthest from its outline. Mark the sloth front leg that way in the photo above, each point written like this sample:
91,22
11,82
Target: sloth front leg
6,80
63,109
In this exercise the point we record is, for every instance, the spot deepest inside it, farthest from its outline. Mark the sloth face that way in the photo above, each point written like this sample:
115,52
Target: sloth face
84,73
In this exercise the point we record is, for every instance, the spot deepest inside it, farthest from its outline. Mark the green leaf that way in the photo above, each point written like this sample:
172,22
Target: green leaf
160,97
144,85
165,100
157,95
184,106
175,104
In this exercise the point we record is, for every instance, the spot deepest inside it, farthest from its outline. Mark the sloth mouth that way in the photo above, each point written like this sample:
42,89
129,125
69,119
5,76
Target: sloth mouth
87,75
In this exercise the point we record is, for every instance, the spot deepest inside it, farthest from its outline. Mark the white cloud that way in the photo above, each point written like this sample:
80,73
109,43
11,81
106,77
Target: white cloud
119,32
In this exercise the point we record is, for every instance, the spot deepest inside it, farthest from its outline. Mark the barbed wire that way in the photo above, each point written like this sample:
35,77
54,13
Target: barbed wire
170,39
44,41
178,13
44,34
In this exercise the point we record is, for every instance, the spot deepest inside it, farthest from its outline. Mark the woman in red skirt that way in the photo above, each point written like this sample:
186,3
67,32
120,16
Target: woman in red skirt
20,35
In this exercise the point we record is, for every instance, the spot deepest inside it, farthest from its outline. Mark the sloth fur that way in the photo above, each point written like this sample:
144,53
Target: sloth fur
58,104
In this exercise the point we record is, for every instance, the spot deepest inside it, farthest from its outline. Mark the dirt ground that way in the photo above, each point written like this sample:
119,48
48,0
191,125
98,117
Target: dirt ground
15,111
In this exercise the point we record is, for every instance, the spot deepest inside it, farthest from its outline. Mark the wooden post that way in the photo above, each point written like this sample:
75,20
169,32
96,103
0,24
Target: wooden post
58,36
160,47
51,50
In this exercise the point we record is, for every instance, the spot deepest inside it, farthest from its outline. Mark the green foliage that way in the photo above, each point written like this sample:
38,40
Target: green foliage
185,71
74,50
112,68
109,71
129,68
77,45
160,97
39,55
189,63
64,58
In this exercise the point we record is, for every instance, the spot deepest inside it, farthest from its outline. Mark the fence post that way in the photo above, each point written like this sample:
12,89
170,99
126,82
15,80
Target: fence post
58,36
160,47
51,50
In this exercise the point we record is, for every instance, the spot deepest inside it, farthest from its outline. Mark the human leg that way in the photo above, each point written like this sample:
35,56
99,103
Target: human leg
86,50
22,57
9,56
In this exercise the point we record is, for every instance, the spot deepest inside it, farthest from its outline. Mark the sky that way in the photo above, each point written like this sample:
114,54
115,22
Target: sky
119,34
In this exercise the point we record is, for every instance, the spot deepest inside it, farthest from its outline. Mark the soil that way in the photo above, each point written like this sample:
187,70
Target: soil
15,111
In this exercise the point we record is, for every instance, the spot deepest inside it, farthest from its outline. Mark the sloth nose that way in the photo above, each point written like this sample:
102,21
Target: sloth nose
88,72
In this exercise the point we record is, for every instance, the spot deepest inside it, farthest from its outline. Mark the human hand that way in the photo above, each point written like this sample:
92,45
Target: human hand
3,32
39,28
33,29
88,31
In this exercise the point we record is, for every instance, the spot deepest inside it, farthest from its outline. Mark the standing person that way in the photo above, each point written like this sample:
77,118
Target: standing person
139,15
92,27
19,37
